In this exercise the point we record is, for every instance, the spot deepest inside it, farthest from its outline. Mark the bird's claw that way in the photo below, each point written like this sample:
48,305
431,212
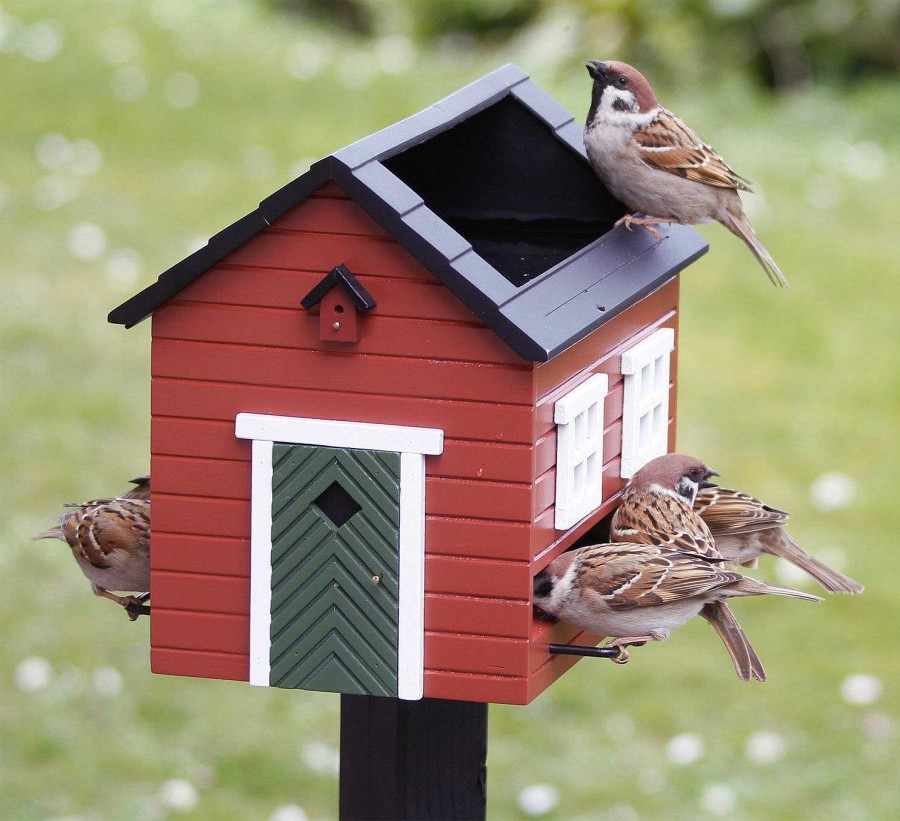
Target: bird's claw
622,657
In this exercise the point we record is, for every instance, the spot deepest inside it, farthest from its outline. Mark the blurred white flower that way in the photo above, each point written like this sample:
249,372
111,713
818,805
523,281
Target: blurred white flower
619,725
685,748
55,190
621,812
107,681
53,151
823,192
832,491
321,758
258,162
538,799
733,8
42,42
87,241
864,160
306,59
289,812
395,53
764,748
181,89
356,70
861,689
119,44
129,83
33,674
178,795
718,799
86,158
878,726
123,267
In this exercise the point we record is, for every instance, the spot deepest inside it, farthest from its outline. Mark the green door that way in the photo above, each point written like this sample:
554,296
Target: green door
335,557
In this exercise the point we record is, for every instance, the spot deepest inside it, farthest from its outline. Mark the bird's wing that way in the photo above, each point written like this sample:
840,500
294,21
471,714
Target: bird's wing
730,512
645,523
640,575
95,531
670,145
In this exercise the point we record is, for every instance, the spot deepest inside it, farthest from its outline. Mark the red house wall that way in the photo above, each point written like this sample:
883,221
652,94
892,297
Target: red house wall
236,340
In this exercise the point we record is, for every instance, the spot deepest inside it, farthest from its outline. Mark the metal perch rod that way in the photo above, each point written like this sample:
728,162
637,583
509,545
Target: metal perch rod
593,652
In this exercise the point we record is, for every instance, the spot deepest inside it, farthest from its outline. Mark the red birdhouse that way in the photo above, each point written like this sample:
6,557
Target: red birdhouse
358,501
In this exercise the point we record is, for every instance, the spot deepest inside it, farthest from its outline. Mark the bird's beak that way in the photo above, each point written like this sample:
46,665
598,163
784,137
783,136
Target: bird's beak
596,69
705,484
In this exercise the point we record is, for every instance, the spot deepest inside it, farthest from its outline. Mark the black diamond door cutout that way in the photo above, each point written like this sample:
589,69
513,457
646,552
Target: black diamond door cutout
338,505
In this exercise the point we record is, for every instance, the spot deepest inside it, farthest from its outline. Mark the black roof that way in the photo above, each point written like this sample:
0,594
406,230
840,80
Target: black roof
343,277
491,191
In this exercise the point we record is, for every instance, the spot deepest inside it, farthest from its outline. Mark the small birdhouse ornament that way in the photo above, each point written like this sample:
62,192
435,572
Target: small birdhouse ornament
339,307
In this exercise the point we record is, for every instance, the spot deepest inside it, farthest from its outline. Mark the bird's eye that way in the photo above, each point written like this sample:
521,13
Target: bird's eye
622,81
694,473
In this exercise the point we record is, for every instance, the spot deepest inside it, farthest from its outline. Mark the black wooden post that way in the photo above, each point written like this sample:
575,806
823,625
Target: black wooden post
412,759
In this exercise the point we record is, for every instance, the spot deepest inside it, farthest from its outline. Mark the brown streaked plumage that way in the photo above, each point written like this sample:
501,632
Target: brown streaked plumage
745,527
636,593
657,506
655,164
110,540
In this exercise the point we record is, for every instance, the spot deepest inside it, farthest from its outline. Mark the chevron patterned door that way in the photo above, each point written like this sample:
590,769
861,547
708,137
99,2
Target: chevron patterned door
335,565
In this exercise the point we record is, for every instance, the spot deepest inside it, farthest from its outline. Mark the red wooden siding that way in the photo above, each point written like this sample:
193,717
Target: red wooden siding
236,340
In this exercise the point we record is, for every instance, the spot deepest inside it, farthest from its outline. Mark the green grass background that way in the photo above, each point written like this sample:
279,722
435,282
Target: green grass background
776,389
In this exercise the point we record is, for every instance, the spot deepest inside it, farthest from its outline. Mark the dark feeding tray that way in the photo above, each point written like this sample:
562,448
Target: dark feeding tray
524,202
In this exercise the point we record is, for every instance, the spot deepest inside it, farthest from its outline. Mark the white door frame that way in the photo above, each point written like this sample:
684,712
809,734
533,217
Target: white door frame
413,444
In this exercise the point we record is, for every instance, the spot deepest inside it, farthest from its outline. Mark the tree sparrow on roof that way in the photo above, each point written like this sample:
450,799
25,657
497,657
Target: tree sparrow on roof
637,593
744,527
654,163
110,540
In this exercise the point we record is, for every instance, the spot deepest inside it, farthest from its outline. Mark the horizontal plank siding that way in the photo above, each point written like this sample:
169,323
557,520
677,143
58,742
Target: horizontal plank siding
308,251
466,614
188,630
298,329
224,555
476,654
330,215
340,371
201,664
251,286
475,687
207,593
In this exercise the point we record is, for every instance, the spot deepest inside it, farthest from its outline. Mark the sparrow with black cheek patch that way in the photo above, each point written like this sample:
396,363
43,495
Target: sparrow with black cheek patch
637,593
744,527
653,163
110,540
657,506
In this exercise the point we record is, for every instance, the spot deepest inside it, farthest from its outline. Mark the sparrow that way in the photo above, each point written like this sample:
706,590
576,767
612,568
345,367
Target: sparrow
110,540
657,506
744,527
637,593
657,509
655,164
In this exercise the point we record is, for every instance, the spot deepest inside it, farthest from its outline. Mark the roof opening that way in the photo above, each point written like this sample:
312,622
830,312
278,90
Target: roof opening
504,181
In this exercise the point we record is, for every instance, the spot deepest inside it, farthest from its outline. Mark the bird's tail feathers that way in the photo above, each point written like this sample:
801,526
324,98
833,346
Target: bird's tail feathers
752,587
739,225
746,663
829,578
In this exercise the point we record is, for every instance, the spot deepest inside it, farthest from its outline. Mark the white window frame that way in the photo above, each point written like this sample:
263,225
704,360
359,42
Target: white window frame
413,444
645,409
579,451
